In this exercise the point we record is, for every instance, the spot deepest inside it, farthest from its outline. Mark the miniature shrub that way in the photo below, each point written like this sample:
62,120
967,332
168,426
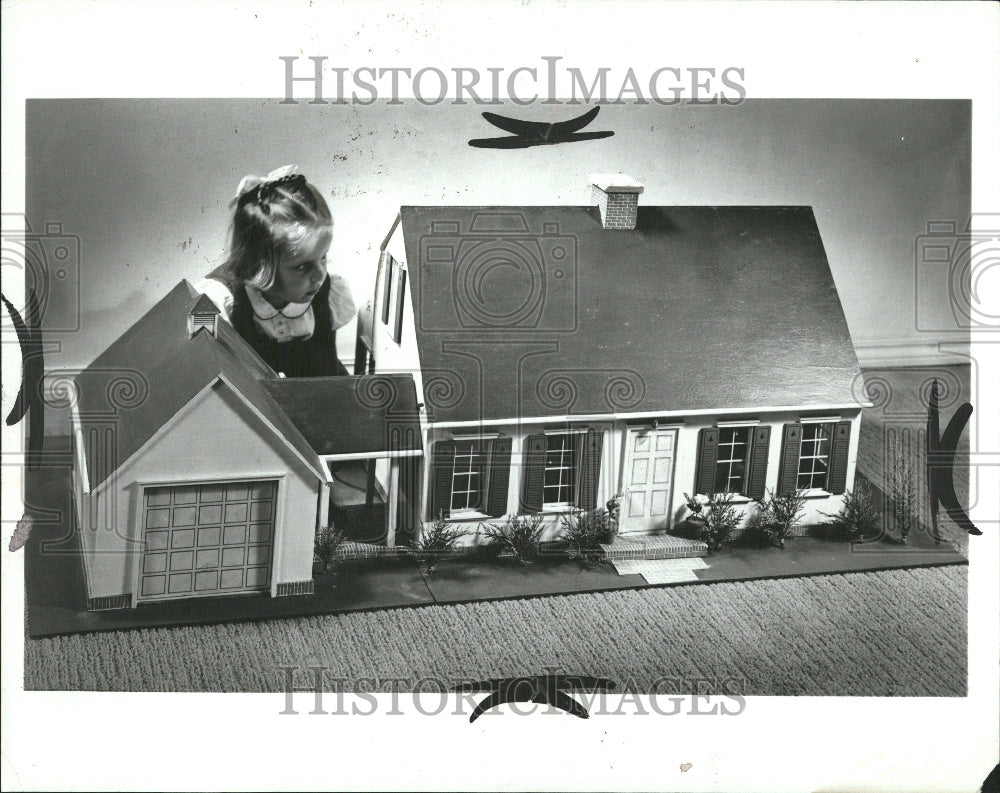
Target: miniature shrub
519,535
584,532
858,516
437,541
326,543
777,516
715,517
901,479
721,519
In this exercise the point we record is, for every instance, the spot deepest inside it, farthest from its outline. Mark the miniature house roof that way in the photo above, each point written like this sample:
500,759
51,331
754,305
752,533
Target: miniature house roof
139,383
540,311
352,415
154,369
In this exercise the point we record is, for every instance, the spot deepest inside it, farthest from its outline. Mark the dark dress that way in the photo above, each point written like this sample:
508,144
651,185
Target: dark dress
312,357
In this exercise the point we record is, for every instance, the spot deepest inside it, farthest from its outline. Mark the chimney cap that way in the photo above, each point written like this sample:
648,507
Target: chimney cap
615,183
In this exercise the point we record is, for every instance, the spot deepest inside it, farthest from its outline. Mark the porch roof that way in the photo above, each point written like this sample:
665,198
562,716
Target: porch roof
365,415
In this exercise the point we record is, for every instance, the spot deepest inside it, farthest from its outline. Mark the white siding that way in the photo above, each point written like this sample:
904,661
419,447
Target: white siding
613,452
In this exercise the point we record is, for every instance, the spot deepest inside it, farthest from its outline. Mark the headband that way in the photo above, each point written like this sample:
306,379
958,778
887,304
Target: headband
248,183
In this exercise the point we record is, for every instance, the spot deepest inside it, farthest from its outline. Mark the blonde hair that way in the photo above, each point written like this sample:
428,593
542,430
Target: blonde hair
273,219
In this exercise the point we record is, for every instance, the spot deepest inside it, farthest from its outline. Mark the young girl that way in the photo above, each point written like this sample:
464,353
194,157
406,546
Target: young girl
274,287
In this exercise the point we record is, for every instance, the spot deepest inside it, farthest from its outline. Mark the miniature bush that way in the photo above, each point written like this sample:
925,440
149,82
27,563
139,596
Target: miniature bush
519,535
326,543
439,540
721,519
777,516
858,516
715,517
901,479
583,532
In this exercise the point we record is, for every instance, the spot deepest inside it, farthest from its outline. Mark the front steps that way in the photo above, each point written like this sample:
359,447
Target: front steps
653,546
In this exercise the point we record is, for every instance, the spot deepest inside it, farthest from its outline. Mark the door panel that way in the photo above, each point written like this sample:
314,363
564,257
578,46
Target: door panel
648,475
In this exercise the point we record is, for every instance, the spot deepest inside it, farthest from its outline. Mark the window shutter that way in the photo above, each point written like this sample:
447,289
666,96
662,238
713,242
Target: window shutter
757,476
387,276
791,442
534,473
708,454
443,460
840,444
496,499
590,469
397,329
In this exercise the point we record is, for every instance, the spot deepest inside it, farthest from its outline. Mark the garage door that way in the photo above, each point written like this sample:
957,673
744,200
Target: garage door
212,539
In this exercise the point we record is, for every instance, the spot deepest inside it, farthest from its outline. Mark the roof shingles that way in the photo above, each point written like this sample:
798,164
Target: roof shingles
698,308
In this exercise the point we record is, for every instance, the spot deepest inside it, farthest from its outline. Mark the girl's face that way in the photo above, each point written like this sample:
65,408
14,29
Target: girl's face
300,275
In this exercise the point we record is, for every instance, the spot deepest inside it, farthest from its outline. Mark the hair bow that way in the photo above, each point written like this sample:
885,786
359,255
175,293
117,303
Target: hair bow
248,183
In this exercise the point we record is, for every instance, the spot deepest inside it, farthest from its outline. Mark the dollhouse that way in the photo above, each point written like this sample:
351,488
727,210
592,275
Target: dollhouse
530,359
565,354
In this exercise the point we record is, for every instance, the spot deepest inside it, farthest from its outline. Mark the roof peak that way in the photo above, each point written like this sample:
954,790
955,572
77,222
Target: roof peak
203,304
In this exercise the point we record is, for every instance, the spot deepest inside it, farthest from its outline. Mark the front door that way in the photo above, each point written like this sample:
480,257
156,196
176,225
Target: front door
647,479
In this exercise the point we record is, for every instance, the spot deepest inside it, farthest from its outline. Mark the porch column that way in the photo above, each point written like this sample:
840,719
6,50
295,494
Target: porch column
370,484
324,504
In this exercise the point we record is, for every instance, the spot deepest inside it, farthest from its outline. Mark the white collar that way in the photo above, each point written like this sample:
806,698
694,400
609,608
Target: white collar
264,310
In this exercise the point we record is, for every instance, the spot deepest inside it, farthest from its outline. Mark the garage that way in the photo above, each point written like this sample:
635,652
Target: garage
207,539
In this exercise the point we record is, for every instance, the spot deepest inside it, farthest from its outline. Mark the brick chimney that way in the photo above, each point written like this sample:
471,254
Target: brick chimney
617,195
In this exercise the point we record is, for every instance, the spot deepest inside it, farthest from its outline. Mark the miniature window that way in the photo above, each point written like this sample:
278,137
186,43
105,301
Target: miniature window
470,476
393,297
814,456
731,464
388,274
468,481
397,311
560,469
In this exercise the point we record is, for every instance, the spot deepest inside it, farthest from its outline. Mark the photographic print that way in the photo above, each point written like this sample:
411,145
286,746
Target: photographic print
503,391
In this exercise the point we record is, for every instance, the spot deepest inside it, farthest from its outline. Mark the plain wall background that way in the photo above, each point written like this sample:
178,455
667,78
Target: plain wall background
145,185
